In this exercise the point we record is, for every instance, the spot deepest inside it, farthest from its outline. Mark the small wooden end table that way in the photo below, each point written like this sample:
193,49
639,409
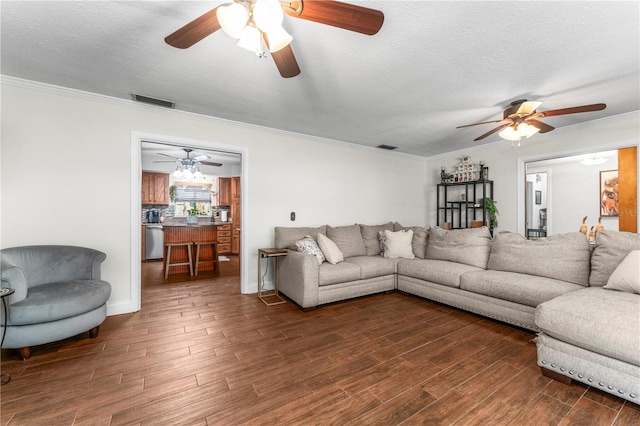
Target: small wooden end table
267,253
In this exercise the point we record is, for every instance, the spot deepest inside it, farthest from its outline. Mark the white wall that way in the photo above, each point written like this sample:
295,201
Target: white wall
506,165
74,149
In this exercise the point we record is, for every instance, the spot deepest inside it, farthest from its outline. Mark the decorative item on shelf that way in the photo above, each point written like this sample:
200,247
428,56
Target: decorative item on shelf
466,171
492,209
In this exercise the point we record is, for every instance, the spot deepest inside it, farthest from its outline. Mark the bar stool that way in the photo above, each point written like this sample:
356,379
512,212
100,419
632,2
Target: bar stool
168,247
214,255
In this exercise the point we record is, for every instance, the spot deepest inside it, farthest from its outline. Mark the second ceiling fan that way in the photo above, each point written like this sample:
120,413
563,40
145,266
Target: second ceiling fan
521,119
252,21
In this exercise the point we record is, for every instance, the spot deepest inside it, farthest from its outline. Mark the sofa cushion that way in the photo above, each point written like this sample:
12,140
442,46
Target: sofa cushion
286,237
610,249
527,290
564,257
469,246
371,239
435,271
398,244
339,273
420,238
373,266
330,250
348,239
626,276
602,321
59,300
309,246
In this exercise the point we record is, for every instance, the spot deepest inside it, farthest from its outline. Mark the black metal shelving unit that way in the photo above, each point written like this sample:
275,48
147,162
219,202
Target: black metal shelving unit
461,212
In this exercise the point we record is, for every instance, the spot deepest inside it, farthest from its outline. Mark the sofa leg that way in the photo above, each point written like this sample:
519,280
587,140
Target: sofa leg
25,353
555,376
93,333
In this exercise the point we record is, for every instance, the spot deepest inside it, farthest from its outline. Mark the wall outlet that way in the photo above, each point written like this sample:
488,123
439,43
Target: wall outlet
293,216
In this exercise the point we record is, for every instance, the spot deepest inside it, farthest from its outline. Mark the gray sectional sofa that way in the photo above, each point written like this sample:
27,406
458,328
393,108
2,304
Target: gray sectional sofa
553,286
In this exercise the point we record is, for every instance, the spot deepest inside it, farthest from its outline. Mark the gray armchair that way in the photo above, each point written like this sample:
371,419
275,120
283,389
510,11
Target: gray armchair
58,294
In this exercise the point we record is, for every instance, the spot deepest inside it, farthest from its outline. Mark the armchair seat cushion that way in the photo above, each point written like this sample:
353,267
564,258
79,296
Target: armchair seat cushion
59,300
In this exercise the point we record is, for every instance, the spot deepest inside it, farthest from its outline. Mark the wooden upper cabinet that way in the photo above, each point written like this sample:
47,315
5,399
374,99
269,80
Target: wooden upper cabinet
155,188
224,191
235,187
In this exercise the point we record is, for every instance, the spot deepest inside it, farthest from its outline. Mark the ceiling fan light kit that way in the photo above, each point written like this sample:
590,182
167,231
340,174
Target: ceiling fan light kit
520,120
252,21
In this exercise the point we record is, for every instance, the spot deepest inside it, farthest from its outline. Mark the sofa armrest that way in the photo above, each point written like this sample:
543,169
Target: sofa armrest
12,276
298,278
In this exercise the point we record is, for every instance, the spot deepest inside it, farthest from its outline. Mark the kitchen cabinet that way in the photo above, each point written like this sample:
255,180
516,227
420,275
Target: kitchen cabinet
155,188
235,187
224,239
224,191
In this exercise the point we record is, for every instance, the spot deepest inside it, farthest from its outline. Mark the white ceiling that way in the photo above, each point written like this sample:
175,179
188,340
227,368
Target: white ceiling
433,65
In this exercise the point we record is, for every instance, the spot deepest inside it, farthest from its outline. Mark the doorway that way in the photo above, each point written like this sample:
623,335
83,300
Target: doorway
141,145
572,190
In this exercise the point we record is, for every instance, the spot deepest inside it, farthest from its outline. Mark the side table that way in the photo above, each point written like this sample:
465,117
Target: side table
4,292
268,253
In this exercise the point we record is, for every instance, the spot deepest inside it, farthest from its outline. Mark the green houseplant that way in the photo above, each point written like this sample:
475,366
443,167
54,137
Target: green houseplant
490,205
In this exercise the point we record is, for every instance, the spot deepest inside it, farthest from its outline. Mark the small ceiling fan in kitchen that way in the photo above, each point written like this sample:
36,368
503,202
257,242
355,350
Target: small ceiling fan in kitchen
188,167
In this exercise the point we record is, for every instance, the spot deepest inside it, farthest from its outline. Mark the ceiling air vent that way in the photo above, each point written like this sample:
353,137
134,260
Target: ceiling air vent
387,147
153,101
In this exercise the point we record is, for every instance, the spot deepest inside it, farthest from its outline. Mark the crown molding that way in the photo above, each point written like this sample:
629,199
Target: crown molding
130,103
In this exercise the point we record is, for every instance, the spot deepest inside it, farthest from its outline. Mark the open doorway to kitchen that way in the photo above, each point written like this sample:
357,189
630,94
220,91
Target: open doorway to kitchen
180,180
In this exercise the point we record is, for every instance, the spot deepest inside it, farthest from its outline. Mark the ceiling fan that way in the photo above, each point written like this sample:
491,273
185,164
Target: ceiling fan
252,21
189,163
521,119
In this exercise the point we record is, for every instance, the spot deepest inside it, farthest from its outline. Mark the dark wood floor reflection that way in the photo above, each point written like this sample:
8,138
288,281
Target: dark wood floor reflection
200,353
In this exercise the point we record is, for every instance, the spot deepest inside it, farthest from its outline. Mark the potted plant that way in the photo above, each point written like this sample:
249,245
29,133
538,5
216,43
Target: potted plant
192,218
490,205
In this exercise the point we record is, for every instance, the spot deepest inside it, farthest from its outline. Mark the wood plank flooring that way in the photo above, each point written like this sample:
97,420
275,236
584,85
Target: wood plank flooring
200,353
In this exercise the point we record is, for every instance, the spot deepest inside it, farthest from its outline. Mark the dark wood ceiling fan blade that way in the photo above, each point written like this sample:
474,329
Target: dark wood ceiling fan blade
285,61
342,15
209,163
543,127
490,132
476,124
194,31
167,155
573,110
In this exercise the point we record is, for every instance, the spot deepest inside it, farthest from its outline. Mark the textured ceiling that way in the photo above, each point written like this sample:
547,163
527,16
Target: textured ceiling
433,65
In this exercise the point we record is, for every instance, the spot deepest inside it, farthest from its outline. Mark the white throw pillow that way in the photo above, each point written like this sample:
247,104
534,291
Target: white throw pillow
398,244
626,277
330,250
309,246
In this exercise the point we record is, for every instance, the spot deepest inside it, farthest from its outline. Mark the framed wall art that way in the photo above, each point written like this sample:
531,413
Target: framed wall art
609,193
538,197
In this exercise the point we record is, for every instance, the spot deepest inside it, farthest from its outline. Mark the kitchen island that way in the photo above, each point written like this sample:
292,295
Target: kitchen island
183,233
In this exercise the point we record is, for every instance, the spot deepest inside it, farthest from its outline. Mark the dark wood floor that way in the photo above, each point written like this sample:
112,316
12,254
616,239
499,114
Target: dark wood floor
199,353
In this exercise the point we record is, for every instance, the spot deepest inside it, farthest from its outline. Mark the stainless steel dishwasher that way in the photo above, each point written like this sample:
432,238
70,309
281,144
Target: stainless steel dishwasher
154,237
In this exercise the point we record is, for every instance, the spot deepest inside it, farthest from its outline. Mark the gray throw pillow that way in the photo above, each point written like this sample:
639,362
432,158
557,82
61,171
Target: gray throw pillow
371,238
348,239
611,249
